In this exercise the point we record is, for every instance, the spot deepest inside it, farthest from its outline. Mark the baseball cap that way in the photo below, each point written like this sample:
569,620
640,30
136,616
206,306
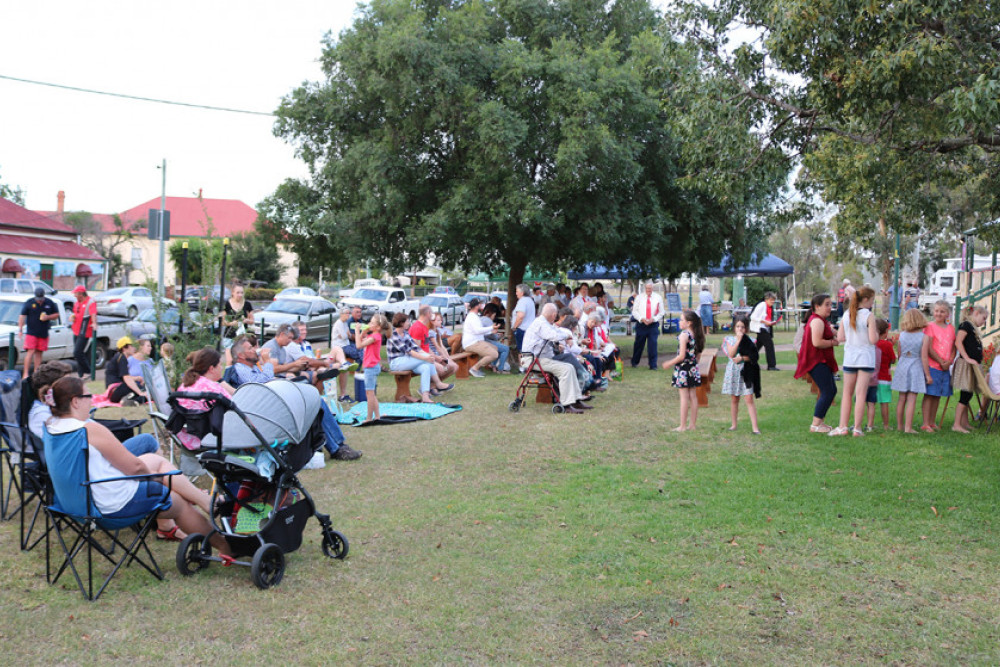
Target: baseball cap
123,341
79,289
39,292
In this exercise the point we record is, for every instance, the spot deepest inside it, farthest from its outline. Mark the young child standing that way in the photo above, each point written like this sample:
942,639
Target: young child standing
909,380
937,354
742,372
880,387
970,354
859,335
369,341
687,377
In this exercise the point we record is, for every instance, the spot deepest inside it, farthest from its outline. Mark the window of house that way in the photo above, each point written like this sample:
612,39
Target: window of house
137,258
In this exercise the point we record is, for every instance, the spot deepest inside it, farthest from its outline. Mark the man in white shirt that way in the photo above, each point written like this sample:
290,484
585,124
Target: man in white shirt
538,341
474,338
524,313
705,301
647,309
762,319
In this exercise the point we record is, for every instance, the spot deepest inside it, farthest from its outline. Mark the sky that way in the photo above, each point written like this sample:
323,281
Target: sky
105,152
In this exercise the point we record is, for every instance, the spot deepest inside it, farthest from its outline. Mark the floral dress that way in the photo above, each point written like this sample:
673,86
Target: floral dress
733,383
686,373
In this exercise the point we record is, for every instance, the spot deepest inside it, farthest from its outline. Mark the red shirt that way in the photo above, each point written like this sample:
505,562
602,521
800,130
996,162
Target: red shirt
418,332
888,358
82,309
372,355
810,356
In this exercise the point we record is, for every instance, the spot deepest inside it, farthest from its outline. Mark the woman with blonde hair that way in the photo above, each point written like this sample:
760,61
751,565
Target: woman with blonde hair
909,379
969,347
859,333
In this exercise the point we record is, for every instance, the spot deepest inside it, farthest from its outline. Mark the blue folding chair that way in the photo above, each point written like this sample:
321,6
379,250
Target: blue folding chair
74,513
26,490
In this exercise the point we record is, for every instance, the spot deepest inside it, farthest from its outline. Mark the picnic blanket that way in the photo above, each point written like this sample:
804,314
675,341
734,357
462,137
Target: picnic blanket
395,413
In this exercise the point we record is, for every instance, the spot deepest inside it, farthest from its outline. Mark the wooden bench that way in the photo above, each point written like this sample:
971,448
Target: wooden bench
465,361
403,394
707,368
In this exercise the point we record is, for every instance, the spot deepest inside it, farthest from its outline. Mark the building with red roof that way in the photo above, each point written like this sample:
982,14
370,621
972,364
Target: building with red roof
42,247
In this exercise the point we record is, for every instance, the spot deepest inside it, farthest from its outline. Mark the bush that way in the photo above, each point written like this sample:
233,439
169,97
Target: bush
260,293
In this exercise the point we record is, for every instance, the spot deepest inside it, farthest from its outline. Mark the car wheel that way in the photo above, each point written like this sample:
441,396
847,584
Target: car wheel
102,355
133,312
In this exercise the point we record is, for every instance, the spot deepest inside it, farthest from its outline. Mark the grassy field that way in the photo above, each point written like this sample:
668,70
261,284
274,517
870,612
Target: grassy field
605,538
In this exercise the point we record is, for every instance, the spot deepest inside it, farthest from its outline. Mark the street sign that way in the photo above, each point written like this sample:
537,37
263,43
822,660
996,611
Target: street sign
153,231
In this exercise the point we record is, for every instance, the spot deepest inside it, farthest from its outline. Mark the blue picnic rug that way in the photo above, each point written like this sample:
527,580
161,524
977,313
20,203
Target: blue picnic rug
394,413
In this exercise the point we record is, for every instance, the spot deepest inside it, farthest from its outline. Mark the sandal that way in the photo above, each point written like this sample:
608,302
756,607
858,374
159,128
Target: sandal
927,429
838,432
169,535
858,433
820,428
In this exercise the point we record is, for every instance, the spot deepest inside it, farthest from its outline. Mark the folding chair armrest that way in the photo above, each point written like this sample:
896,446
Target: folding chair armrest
158,415
136,477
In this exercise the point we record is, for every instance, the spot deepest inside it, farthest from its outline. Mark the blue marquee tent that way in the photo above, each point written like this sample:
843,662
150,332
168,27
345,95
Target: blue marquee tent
599,272
768,266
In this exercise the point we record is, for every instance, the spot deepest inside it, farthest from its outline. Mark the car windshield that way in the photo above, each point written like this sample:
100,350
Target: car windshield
371,294
436,301
288,306
9,312
170,315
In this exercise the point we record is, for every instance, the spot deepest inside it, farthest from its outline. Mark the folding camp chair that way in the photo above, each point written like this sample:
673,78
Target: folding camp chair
158,388
27,487
73,514
989,403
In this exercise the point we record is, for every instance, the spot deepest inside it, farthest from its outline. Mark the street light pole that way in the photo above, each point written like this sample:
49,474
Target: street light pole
163,206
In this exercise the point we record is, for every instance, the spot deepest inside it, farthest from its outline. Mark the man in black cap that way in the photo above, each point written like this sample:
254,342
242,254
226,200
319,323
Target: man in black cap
38,314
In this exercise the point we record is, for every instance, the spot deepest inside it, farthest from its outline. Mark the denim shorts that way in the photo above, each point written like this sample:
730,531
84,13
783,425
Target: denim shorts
147,497
855,369
371,377
940,383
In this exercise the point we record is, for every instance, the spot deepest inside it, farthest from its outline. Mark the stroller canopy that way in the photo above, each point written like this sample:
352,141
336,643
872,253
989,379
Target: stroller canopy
280,410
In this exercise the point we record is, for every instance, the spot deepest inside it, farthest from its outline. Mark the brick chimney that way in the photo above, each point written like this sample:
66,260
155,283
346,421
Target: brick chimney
61,197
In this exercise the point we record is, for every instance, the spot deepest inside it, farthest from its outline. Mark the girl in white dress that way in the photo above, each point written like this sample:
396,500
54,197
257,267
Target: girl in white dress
734,384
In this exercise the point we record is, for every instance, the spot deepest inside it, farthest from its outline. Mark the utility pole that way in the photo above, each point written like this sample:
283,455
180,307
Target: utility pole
163,206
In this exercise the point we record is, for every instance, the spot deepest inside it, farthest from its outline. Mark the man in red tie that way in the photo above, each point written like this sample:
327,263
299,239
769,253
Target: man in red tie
648,312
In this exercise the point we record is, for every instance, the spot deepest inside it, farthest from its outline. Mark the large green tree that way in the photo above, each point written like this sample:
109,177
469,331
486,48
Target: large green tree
508,132
13,193
106,242
252,256
889,104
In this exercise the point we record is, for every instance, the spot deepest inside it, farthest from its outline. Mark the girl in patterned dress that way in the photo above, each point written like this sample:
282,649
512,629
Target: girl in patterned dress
687,378
734,384
909,379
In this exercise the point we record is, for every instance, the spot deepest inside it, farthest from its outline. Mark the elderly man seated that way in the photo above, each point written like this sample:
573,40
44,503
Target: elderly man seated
540,340
246,369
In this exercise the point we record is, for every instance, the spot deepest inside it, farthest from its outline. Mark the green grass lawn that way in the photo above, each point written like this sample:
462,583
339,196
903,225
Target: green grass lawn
605,538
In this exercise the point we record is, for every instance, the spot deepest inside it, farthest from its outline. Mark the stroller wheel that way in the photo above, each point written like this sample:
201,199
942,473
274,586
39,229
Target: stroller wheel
515,405
189,555
335,544
268,566
558,409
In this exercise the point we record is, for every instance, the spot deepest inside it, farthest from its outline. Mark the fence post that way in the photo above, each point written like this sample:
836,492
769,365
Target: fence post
93,352
958,309
329,330
11,353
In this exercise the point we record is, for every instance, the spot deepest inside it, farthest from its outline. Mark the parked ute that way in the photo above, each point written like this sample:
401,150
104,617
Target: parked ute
315,311
60,333
385,300
360,283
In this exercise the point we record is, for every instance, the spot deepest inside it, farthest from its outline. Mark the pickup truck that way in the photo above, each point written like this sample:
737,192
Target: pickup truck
360,283
385,300
109,330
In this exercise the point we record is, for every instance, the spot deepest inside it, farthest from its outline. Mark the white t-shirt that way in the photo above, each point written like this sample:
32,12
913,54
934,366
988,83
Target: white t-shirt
109,497
341,334
858,351
994,380
527,306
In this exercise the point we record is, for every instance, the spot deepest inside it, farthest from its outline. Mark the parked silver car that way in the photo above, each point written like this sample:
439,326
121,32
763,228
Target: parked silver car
315,311
451,306
126,301
144,326
294,292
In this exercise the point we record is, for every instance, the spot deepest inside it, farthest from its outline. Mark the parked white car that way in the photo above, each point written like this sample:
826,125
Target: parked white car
126,301
60,333
294,292
385,300
451,306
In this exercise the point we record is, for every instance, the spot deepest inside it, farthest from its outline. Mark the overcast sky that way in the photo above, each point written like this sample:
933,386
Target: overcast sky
105,152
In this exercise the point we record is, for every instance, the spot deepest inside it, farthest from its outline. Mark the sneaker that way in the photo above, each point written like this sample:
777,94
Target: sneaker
346,398
129,400
348,366
476,374
345,453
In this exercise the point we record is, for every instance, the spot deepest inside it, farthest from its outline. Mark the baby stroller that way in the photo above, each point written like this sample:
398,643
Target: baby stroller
256,443
536,378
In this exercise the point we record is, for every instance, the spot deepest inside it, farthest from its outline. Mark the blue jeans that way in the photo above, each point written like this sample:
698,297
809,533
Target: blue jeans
144,443
334,436
503,351
518,340
822,375
424,369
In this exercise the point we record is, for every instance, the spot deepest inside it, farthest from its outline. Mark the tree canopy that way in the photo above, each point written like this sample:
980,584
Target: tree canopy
485,133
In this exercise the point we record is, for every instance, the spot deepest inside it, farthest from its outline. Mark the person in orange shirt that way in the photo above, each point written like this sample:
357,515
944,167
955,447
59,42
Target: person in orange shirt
84,320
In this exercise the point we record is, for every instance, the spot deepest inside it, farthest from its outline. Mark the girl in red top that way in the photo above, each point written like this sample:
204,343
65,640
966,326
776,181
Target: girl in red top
369,341
816,358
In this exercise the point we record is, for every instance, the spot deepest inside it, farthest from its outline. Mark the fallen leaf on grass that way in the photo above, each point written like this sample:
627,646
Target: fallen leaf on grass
934,509
438,546
639,634
951,509
733,542
672,622
633,617
722,586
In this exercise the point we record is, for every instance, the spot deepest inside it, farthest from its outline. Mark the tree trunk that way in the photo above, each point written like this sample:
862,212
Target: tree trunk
514,278
886,264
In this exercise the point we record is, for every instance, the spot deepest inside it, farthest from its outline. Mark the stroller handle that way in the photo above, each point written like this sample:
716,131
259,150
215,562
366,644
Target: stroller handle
203,396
